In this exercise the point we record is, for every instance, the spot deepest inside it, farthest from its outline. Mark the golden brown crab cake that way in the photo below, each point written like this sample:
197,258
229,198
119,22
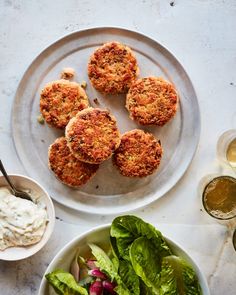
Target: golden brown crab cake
60,101
67,168
112,68
152,101
139,154
92,135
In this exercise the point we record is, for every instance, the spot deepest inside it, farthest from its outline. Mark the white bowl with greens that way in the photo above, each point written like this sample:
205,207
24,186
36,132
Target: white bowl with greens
128,257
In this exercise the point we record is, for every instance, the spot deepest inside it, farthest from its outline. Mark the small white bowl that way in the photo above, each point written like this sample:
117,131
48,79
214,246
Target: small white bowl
101,236
24,182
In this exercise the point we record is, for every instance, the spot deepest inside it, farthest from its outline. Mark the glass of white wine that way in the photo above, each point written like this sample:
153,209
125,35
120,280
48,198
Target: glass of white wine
226,148
219,200
219,191
219,197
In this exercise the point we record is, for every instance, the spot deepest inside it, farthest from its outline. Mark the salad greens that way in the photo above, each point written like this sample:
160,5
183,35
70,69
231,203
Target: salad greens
140,263
125,229
64,283
129,277
106,265
177,277
104,262
143,255
144,290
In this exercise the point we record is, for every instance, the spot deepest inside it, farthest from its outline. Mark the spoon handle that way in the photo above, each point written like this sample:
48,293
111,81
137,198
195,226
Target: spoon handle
6,176
234,239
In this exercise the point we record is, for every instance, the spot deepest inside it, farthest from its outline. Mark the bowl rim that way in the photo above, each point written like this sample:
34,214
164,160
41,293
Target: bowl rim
51,221
78,238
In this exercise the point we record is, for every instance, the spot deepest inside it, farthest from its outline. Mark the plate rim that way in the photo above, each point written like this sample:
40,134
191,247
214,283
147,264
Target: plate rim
197,130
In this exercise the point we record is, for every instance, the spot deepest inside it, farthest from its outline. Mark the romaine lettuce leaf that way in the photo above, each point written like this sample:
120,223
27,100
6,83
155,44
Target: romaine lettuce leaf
129,277
144,290
115,260
106,265
145,261
178,277
104,262
122,290
125,229
64,283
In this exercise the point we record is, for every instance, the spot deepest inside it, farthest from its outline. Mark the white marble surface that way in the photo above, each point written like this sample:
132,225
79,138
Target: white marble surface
202,36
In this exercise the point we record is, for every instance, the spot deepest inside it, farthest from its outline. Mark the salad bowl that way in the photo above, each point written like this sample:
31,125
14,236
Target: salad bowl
101,237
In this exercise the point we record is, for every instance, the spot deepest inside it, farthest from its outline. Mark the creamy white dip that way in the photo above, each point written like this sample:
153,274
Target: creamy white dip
22,222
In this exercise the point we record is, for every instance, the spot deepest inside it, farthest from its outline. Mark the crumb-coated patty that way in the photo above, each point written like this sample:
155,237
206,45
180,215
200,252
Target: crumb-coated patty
92,135
112,68
68,169
60,101
152,101
139,154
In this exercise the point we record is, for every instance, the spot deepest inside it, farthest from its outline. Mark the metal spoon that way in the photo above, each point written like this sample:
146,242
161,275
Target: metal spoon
16,192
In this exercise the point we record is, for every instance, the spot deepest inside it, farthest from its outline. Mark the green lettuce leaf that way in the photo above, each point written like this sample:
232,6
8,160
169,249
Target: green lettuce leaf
106,265
114,247
129,277
144,290
121,289
125,229
145,261
115,259
178,277
64,283
104,262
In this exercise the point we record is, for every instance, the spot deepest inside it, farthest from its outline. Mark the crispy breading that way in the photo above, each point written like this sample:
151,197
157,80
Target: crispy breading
152,101
68,169
112,68
93,135
138,155
60,101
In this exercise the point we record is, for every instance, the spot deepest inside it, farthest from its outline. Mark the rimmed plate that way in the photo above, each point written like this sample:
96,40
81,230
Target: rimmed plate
108,192
100,236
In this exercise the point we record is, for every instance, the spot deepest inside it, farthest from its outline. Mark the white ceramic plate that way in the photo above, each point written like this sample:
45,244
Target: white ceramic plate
17,253
100,236
108,192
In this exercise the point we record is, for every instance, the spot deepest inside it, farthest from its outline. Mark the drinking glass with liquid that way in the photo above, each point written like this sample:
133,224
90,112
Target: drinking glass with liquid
219,200
226,148
219,197
219,191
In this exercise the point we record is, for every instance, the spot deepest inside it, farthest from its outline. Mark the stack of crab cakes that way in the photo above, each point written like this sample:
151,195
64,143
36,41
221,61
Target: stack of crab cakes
91,134
60,101
91,137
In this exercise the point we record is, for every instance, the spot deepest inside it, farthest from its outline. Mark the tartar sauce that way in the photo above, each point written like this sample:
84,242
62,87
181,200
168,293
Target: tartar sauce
22,222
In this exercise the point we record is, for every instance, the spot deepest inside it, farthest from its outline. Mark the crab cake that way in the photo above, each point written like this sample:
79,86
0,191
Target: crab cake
68,169
152,101
92,135
139,154
112,68
60,101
